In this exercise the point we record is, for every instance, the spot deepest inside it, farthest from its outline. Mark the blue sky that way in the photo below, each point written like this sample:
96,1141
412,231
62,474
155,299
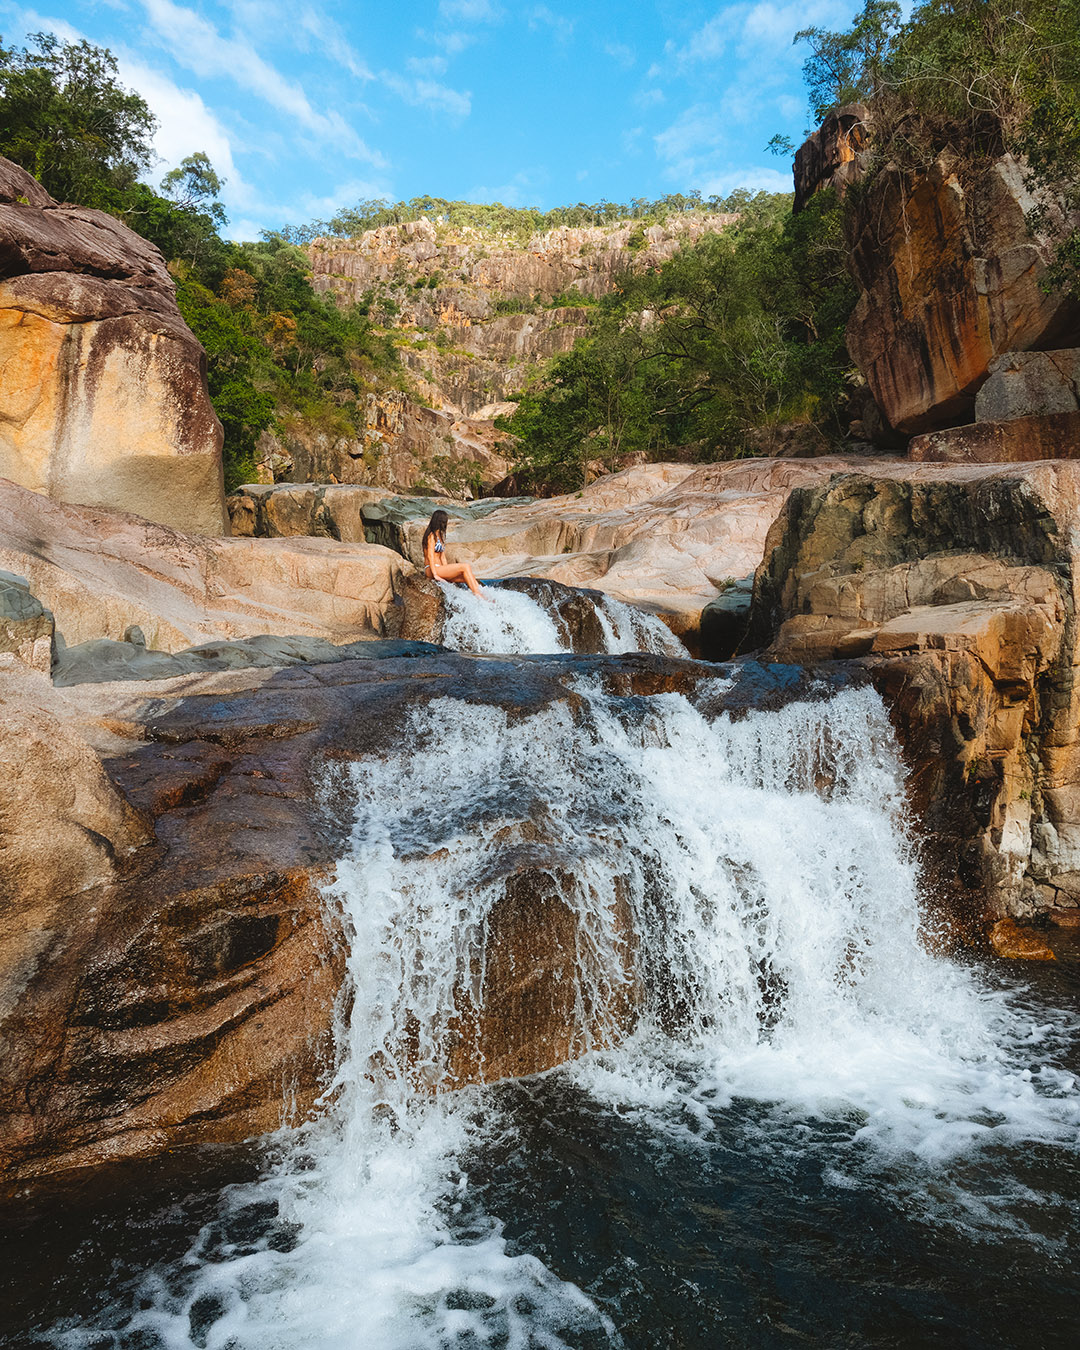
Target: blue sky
305,106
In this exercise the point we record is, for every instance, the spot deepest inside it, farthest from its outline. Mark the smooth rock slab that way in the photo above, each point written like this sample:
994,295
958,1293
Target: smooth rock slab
103,395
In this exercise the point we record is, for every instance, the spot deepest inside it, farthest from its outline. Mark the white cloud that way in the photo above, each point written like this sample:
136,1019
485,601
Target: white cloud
243,231
194,42
756,178
771,25
185,123
329,38
426,65
698,127
540,16
452,43
470,11
649,98
620,52
429,94
710,41
521,190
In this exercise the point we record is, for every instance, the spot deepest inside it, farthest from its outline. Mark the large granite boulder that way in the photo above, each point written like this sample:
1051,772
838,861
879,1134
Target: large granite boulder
101,573
951,276
956,586
103,399
1030,384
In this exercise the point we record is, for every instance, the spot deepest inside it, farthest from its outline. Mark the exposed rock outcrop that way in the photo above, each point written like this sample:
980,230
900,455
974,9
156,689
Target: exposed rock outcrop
26,626
834,155
475,314
103,397
1030,384
957,586
102,572
664,537
1054,436
403,446
951,277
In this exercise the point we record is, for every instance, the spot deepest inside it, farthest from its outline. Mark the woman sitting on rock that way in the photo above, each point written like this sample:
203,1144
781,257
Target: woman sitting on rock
435,563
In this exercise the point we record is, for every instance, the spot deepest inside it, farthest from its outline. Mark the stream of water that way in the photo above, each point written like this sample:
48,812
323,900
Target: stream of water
505,621
819,1132
814,1129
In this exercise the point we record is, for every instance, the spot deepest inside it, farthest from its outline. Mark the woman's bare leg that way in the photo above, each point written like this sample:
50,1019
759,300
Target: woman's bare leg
461,572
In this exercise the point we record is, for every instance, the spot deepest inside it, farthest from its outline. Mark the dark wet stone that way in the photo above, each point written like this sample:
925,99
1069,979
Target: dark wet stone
103,660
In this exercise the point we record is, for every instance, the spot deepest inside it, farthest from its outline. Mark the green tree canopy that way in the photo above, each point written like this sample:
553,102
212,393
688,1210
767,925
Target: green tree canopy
66,118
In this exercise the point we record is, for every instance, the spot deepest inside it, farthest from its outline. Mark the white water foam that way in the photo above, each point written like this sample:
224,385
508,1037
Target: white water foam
501,622
506,621
779,958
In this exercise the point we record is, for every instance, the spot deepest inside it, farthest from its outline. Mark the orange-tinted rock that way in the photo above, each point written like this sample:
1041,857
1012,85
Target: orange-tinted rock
1014,943
103,396
830,156
955,586
950,277
168,963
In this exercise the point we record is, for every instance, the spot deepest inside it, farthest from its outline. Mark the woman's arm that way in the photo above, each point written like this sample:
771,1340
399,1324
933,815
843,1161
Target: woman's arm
429,554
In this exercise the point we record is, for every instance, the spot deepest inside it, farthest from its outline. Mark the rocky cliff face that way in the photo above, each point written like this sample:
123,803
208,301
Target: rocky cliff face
404,446
474,315
951,274
951,277
103,396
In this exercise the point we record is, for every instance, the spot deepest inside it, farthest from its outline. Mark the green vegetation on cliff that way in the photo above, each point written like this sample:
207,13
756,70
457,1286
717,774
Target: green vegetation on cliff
737,334
508,221
977,77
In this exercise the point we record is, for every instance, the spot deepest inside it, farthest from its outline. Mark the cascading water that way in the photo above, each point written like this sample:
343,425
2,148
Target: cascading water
506,621
780,979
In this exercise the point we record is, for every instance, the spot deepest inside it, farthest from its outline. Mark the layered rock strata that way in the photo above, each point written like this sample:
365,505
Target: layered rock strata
402,446
956,586
103,397
475,314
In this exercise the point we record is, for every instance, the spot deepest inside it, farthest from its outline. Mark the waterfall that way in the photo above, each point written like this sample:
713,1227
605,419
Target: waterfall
777,955
507,621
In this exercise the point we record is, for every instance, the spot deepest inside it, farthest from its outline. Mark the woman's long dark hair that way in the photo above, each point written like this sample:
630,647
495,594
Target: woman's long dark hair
435,526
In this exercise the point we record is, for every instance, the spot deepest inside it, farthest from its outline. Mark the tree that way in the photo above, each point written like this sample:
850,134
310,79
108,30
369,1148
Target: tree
847,67
67,119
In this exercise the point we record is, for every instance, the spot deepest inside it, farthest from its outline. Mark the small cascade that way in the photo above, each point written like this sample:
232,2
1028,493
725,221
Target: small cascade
776,957
627,629
508,621
502,622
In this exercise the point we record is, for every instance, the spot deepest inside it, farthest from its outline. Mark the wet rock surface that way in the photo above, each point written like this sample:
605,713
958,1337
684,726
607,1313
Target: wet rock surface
955,588
104,398
172,979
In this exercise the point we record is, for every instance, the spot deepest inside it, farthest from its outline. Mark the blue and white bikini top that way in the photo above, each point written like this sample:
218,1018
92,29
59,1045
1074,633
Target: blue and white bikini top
438,546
